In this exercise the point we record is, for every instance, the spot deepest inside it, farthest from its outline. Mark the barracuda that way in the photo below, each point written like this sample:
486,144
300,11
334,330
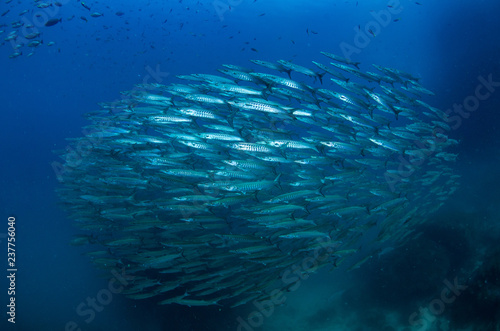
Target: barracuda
219,136
292,196
305,234
168,119
340,59
198,112
255,171
257,105
252,186
251,147
202,98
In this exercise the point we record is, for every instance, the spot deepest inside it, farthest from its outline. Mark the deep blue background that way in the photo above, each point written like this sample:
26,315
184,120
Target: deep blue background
43,97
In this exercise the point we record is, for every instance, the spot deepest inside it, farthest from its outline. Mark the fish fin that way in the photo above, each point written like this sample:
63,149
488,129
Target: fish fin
256,197
230,119
277,181
320,77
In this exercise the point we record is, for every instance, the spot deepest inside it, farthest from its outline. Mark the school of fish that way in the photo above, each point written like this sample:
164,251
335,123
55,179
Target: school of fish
211,191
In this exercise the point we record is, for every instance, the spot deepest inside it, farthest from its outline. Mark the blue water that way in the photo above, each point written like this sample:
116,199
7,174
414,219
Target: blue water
449,44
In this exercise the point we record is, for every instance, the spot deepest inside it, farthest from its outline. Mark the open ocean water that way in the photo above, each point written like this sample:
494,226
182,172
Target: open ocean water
445,275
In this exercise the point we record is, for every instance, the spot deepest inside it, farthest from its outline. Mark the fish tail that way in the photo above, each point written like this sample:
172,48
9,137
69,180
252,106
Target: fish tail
267,91
320,190
320,77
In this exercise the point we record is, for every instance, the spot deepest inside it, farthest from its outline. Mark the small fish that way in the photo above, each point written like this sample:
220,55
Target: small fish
15,54
17,24
35,43
53,21
85,6
11,36
341,59
32,35
305,234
